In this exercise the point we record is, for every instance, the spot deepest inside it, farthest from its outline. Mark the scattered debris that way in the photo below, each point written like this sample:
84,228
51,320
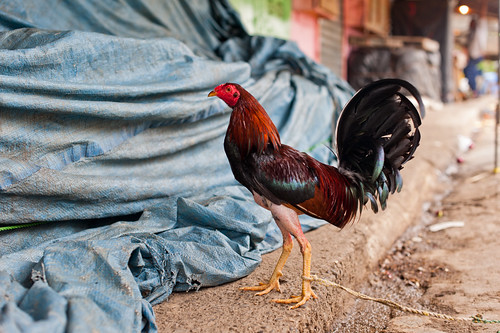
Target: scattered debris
445,225
451,170
417,239
465,143
478,177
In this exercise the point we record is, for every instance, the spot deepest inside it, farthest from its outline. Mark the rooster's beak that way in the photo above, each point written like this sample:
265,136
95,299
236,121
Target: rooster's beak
212,94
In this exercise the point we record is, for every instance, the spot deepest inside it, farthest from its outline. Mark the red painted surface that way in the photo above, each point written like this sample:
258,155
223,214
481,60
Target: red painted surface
305,32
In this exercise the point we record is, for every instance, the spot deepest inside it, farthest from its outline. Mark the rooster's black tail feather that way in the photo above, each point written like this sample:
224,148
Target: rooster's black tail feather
377,133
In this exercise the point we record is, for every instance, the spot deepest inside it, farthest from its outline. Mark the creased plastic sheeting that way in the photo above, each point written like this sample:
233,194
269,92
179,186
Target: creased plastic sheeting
107,133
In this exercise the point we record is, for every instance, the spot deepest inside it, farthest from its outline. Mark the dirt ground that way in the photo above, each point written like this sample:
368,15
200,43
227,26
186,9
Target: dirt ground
455,271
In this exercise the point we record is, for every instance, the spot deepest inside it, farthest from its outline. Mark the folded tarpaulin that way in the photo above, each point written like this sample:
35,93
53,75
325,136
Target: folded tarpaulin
107,136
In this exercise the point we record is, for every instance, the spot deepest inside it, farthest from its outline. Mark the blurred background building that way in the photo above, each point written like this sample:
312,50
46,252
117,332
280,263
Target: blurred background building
422,41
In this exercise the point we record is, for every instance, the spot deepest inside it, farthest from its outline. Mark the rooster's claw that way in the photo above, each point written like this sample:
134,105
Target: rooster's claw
264,288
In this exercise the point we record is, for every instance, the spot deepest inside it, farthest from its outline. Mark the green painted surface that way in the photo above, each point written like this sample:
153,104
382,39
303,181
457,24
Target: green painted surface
265,17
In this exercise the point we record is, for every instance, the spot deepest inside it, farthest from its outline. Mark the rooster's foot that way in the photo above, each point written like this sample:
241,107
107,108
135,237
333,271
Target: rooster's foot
264,288
307,293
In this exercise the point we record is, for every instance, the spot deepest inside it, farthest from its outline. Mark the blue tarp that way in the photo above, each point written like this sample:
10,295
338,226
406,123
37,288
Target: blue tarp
107,135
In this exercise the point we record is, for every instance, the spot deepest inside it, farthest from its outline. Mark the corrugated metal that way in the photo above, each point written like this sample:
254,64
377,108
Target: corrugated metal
331,45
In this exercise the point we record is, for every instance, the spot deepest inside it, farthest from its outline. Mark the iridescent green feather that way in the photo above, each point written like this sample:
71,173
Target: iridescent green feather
379,163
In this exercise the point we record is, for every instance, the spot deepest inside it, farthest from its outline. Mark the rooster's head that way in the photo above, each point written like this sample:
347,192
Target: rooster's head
228,92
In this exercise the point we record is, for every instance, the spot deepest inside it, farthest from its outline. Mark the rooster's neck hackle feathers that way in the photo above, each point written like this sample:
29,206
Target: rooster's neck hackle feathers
250,127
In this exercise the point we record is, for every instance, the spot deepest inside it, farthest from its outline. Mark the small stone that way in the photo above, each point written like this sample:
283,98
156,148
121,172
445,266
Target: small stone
417,239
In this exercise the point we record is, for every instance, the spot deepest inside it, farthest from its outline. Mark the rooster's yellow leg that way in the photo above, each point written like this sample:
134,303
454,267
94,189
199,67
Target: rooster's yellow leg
274,282
307,291
288,222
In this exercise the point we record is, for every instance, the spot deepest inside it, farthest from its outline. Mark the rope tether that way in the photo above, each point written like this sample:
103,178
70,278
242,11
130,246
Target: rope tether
392,304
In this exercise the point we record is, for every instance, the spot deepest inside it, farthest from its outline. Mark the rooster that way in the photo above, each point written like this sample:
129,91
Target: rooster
377,133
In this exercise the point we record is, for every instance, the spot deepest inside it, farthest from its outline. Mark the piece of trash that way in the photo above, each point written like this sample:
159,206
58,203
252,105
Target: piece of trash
464,143
451,170
478,177
445,225
417,239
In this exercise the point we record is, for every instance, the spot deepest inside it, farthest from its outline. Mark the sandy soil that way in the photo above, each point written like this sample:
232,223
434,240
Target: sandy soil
455,271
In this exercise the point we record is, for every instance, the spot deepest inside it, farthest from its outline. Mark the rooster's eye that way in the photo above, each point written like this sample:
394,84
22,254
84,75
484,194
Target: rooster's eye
228,89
